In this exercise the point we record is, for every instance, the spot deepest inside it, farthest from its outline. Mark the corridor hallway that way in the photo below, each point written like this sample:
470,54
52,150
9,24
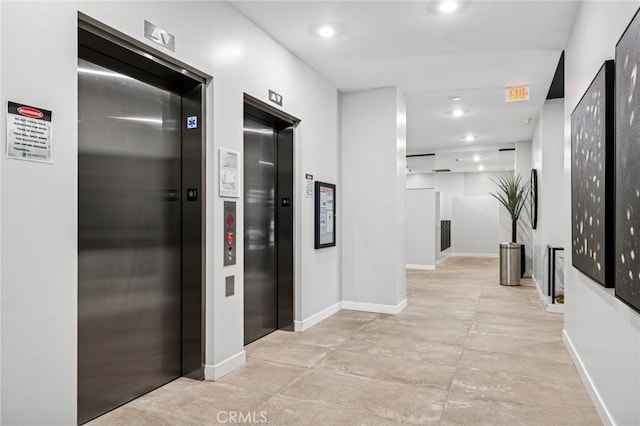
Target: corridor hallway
465,351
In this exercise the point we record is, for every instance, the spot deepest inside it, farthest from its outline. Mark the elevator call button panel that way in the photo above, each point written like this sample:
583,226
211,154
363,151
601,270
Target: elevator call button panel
229,233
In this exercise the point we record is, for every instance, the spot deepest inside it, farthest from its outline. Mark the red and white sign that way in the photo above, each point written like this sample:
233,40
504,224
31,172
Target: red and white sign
28,133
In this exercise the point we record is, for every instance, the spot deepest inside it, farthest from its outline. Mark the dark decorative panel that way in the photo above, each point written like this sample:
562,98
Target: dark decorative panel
533,198
592,153
445,234
627,247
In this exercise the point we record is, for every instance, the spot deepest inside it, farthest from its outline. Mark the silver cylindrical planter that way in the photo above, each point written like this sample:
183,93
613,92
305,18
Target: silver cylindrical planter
510,264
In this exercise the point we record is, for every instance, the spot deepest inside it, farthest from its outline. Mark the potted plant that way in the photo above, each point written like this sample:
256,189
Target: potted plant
512,193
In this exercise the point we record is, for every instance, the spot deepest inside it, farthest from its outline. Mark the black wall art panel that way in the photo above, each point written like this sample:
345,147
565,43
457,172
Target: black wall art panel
627,257
592,179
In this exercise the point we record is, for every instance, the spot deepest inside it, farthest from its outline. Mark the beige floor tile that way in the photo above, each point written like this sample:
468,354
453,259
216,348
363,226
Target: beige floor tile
285,410
473,383
455,335
263,376
201,404
291,353
553,320
552,348
356,315
535,332
327,336
433,310
412,320
128,416
395,401
489,412
418,373
400,347
522,365
466,351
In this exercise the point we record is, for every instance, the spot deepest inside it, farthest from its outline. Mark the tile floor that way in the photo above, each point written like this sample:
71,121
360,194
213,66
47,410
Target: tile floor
466,351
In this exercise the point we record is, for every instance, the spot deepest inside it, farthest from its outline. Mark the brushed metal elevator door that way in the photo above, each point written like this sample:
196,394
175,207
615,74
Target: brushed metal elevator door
129,238
260,249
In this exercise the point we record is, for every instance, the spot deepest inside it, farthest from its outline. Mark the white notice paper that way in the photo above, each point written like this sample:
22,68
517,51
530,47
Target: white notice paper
229,173
309,186
28,133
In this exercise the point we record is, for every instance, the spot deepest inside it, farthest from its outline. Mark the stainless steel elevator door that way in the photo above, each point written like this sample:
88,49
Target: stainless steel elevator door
260,250
129,238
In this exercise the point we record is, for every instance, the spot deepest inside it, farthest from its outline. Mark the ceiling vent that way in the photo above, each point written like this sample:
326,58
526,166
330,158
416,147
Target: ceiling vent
442,170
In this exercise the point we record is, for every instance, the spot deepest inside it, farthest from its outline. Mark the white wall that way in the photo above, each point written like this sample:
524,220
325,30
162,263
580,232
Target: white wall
420,180
475,226
460,192
547,153
2,132
449,185
39,202
477,187
602,332
420,225
373,181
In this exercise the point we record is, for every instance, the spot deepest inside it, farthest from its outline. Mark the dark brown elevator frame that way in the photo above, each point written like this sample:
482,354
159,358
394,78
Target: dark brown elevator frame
104,45
284,124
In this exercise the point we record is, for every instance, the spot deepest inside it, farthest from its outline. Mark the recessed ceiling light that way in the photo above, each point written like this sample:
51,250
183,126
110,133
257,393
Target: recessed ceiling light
469,138
448,6
326,31
457,112
456,98
481,168
476,158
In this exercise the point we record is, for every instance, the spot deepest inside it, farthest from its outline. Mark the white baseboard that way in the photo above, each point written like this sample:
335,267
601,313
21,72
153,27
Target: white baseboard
601,408
375,307
474,255
541,295
421,267
443,259
218,371
554,308
316,318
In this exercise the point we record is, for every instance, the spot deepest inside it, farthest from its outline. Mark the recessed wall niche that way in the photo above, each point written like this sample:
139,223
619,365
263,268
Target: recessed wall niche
592,153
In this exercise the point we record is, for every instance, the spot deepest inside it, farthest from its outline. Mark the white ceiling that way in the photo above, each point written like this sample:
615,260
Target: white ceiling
476,53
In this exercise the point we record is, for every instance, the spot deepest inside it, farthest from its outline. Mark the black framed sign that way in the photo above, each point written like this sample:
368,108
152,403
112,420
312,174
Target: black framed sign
325,215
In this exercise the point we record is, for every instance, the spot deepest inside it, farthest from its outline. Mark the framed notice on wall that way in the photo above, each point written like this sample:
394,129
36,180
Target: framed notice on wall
325,215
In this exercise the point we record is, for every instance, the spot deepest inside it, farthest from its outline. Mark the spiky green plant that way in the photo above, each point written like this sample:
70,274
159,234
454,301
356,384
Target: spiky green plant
512,193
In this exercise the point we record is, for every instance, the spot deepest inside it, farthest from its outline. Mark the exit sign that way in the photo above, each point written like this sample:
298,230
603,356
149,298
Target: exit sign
516,94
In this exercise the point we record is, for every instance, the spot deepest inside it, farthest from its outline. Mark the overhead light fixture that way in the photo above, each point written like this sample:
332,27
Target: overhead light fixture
326,31
476,158
456,98
469,138
448,6
481,168
457,112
